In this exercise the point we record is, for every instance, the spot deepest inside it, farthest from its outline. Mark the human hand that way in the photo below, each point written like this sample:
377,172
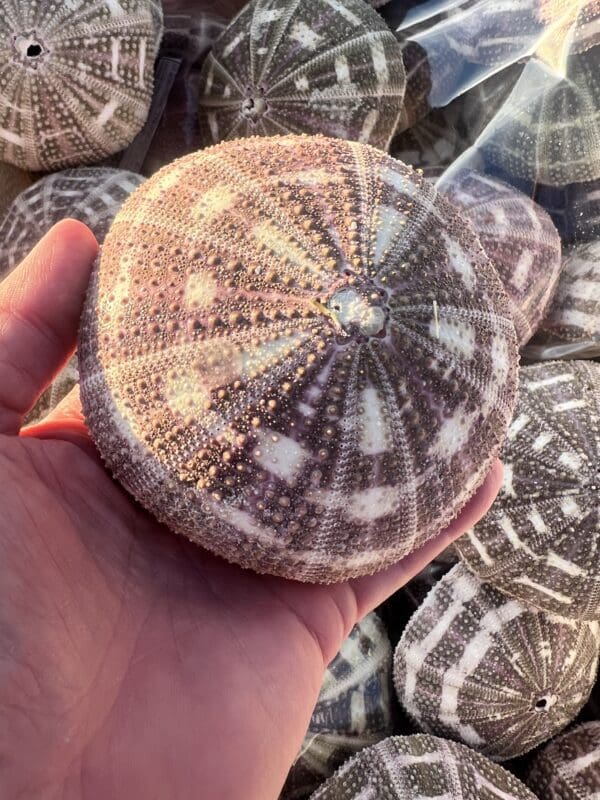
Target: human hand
133,663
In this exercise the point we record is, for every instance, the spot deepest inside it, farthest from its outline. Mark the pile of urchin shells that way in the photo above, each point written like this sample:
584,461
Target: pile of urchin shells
349,257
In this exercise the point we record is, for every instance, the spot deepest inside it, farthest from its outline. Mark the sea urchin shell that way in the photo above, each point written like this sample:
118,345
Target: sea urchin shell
568,768
540,542
304,66
354,708
421,768
296,354
475,665
75,78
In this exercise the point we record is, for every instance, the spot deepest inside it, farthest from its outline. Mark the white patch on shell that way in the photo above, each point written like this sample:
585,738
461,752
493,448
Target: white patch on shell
458,337
453,434
368,125
305,36
520,276
375,431
201,290
542,440
344,11
499,359
342,71
569,507
558,596
370,504
459,261
570,460
280,455
213,202
380,62
302,83
390,221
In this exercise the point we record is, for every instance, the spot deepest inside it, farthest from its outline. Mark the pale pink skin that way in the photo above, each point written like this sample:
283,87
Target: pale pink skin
134,664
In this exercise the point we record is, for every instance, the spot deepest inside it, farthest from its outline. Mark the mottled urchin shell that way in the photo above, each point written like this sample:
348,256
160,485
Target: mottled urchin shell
92,195
304,66
480,667
568,768
540,542
519,238
75,78
571,328
296,354
418,768
354,709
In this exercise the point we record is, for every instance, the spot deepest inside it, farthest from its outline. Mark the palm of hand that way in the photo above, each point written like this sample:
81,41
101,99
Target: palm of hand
135,664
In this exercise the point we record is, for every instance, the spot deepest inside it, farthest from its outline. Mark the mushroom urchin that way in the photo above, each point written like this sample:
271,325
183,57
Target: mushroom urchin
298,355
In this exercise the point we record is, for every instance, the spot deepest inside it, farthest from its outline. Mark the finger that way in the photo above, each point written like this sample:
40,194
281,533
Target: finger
372,590
65,420
40,306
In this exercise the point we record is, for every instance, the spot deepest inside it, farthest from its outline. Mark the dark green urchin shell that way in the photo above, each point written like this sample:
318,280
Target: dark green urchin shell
92,195
421,768
540,542
568,768
354,709
304,66
480,667
76,78
519,238
571,327
296,354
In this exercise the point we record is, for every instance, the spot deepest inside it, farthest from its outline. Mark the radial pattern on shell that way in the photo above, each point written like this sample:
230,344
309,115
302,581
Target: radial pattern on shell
296,354
419,768
485,669
568,768
304,66
571,327
519,238
354,709
76,78
540,542
92,195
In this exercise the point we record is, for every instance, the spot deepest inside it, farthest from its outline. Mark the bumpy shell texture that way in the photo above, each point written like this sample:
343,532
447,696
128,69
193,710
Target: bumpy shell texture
304,66
569,767
418,768
92,195
519,238
354,709
296,354
571,328
75,78
540,542
483,668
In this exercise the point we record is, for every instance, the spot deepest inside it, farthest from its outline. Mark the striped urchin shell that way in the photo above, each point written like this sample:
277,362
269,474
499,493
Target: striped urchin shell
418,768
296,354
75,78
519,238
568,768
354,709
541,540
304,66
571,327
483,668
92,195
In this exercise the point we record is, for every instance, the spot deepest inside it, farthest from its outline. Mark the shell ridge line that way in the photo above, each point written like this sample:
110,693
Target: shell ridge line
275,37
92,82
326,57
205,100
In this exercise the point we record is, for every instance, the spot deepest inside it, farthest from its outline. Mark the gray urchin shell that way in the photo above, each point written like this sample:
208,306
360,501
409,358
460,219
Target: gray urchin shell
519,238
354,709
76,78
571,327
92,195
304,66
418,768
540,542
481,667
296,354
568,768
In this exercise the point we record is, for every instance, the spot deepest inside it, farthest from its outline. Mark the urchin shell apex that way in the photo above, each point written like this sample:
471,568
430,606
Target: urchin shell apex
540,541
418,768
76,78
304,66
354,709
483,668
568,768
92,195
296,354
